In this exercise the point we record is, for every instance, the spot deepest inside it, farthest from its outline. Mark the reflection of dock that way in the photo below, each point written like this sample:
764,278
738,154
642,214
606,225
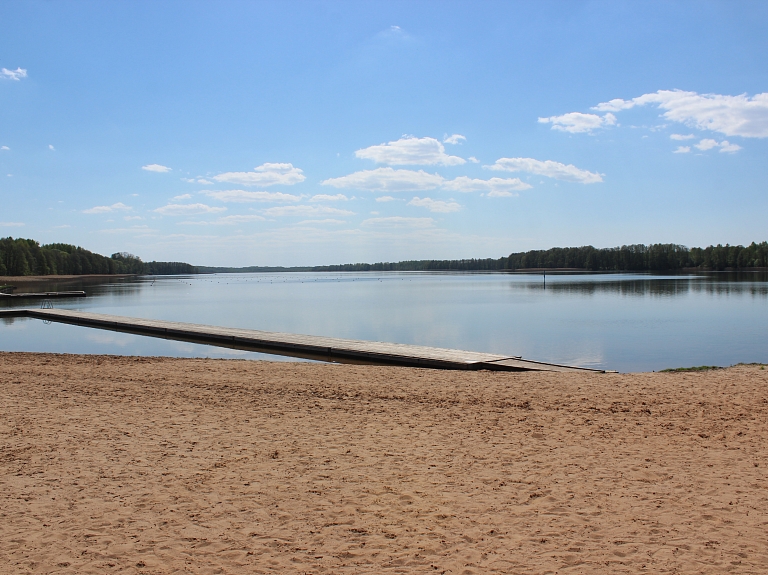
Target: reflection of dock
304,346
42,295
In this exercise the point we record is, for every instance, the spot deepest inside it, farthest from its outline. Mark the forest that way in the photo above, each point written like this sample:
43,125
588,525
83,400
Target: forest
24,257
20,257
637,257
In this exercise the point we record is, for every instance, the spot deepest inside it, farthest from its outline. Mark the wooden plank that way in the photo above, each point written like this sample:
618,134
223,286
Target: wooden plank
305,346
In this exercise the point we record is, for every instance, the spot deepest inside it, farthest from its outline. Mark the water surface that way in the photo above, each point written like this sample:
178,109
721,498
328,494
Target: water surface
627,322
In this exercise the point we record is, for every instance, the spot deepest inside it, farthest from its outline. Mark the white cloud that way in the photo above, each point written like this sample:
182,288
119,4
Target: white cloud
435,205
725,145
265,175
729,115
398,222
681,137
156,168
387,180
454,139
493,186
328,198
182,197
706,144
410,150
4,148
304,210
243,219
196,181
107,209
385,199
325,221
682,150
131,218
391,180
242,196
11,224
187,209
473,159
51,148
16,74
576,122
548,168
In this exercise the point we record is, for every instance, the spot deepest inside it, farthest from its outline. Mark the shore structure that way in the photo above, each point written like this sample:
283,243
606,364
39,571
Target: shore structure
302,346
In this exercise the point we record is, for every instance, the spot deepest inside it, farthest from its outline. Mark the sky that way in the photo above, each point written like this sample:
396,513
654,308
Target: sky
312,133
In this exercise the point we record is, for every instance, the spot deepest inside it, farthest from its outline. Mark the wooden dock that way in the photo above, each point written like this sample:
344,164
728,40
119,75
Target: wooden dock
303,346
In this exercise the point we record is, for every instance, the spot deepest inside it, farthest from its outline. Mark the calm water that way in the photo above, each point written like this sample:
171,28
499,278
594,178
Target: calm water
627,322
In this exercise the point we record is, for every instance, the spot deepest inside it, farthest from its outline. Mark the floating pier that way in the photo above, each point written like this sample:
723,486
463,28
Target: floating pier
304,346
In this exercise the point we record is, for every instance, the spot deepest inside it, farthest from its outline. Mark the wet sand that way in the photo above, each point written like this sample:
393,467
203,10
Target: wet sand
158,465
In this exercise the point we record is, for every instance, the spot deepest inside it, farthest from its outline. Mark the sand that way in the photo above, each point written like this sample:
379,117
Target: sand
155,465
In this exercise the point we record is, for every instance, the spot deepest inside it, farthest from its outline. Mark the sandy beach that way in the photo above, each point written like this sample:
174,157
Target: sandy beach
158,465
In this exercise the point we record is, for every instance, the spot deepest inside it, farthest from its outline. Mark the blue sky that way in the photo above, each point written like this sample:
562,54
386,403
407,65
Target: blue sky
300,133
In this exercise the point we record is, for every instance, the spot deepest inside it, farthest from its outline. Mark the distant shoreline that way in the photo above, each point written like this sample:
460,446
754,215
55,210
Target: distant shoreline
251,270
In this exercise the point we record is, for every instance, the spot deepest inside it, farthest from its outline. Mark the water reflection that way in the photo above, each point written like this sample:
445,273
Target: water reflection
628,322
662,287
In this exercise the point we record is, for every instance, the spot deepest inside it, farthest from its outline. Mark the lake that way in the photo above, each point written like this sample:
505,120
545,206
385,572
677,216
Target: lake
626,322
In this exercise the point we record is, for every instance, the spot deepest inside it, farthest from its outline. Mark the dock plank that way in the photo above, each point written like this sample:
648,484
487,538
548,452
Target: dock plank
297,345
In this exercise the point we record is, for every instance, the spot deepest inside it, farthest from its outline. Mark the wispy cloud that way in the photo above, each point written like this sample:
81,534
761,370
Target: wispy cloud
244,196
385,199
305,210
324,221
410,150
682,150
4,148
182,197
730,115
141,230
439,206
243,219
187,209
548,168
398,222
328,198
454,139
156,168
106,209
387,180
681,137
265,175
51,148
494,187
11,224
16,74
576,122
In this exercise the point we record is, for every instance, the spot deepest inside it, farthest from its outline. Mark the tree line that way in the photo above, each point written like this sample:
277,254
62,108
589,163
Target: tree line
24,257
20,257
637,257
